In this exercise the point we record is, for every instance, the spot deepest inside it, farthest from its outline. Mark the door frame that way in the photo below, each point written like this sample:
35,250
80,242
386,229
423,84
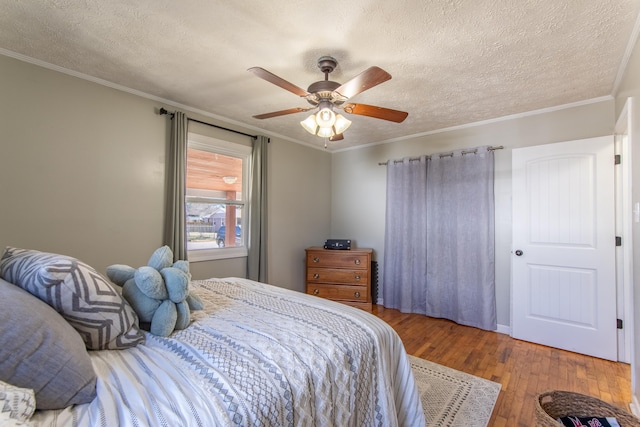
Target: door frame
628,124
624,253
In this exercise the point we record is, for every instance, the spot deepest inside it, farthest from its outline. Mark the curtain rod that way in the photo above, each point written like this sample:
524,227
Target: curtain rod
164,111
413,159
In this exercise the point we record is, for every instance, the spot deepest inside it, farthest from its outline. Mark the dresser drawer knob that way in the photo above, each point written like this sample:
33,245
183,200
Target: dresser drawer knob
316,259
358,277
316,291
316,276
356,294
357,261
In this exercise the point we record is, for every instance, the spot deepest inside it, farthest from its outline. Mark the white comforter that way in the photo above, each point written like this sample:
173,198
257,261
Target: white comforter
258,355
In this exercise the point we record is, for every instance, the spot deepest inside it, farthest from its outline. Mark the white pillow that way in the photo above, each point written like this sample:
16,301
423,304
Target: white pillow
16,405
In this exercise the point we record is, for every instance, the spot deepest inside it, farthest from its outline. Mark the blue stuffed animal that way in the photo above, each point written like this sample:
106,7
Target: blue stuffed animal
158,292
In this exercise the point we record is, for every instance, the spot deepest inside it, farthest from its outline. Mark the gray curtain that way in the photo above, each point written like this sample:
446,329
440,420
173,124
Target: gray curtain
405,267
175,215
257,259
439,238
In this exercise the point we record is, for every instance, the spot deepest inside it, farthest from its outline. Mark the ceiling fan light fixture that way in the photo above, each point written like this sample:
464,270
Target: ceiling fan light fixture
325,132
309,124
325,118
341,124
323,123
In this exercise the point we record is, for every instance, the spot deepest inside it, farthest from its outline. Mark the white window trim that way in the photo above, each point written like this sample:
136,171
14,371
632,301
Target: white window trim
199,255
214,145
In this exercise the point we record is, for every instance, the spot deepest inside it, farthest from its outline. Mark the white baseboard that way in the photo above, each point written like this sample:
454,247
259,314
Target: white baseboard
635,406
504,329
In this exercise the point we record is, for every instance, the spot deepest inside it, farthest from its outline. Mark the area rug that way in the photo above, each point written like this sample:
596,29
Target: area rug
452,398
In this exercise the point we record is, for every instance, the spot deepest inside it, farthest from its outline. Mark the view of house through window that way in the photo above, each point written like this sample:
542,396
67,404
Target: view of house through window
215,198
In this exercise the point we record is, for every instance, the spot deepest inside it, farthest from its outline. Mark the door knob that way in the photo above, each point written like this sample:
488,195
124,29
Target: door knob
519,252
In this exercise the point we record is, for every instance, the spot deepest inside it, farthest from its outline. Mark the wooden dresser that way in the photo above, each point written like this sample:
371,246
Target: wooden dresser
340,275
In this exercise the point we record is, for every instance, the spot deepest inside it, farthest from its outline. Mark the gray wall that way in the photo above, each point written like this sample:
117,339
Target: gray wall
82,168
358,187
299,209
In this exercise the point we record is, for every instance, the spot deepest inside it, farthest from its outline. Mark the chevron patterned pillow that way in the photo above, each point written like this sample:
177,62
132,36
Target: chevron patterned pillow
84,297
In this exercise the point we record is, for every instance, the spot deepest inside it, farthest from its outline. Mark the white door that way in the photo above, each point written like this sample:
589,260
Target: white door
563,285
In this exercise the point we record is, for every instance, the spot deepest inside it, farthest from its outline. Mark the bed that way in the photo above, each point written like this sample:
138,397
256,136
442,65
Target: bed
257,355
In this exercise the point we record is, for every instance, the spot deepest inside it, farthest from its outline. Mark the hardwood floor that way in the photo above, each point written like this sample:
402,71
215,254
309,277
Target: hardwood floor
524,369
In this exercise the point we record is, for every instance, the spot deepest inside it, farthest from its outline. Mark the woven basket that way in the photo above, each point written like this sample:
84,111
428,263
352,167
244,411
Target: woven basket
552,405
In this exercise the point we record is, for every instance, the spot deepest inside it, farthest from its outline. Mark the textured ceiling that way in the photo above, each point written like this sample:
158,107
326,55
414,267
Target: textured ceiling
453,62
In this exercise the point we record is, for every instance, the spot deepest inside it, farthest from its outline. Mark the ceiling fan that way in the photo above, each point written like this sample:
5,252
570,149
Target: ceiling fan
326,95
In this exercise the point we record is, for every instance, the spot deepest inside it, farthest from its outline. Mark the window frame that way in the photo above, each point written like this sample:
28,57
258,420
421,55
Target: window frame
232,149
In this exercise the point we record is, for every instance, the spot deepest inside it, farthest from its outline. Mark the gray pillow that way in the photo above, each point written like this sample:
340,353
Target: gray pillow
85,298
39,350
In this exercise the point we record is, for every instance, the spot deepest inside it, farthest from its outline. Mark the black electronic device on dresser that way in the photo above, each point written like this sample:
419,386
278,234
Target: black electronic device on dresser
340,244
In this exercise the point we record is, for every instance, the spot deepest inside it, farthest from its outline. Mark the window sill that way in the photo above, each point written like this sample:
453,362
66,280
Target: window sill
216,254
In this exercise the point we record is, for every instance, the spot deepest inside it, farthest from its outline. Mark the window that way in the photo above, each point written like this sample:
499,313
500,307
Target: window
216,198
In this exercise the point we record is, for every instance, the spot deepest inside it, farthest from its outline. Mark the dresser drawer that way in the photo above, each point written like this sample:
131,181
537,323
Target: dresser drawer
337,275
338,259
339,292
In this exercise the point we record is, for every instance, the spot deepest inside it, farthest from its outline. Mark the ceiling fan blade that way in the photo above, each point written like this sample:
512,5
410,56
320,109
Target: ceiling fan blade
336,137
367,79
278,81
377,112
282,113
